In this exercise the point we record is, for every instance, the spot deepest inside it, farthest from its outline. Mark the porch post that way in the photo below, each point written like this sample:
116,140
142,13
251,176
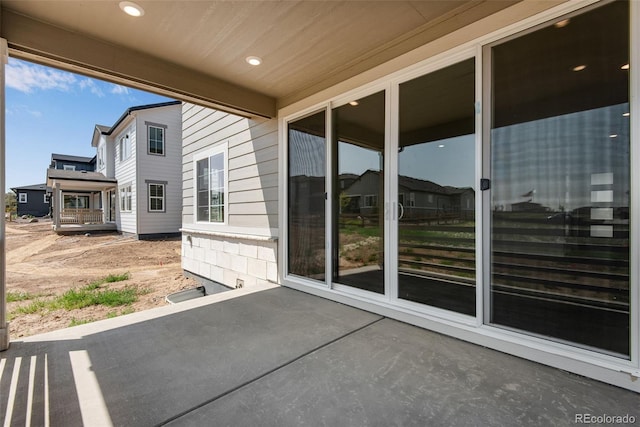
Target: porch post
4,325
103,194
57,205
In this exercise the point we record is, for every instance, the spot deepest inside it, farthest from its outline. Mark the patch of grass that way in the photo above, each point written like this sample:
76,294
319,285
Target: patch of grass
111,278
89,295
116,297
112,314
77,322
20,296
35,306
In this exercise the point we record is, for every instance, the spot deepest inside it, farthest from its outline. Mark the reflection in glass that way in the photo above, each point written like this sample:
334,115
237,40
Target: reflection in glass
358,244
560,182
436,226
306,187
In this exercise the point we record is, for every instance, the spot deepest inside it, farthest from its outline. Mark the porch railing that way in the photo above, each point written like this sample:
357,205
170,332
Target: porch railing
81,216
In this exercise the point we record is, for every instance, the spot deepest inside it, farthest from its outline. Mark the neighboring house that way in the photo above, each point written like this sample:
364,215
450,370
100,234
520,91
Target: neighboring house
72,163
230,198
32,200
136,185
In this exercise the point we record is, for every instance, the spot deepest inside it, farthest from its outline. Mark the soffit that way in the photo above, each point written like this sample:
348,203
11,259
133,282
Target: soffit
305,45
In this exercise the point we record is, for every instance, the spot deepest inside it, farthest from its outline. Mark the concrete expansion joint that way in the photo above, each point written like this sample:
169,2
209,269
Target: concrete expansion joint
269,372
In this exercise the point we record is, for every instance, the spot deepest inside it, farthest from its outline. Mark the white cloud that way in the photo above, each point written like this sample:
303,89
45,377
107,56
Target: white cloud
119,90
87,83
23,109
29,77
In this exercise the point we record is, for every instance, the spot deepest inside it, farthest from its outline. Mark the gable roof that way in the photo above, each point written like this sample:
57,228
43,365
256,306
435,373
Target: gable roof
420,185
130,110
42,187
70,158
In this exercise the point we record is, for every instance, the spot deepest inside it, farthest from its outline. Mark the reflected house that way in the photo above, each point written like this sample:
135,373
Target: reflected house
421,200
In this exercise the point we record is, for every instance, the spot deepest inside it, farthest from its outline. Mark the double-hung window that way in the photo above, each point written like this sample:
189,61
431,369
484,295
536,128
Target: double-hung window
22,198
156,197
124,147
211,177
125,198
156,135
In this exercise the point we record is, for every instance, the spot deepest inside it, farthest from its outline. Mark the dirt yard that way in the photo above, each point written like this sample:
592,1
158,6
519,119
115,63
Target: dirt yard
43,266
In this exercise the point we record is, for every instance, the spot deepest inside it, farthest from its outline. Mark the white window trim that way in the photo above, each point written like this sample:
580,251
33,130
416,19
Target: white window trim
124,147
163,198
101,156
126,192
22,199
223,148
68,167
47,198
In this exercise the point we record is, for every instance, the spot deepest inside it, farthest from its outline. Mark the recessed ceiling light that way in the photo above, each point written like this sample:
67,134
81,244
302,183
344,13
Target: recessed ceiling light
254,60
441,146
625,67
613,135
131,8
562,24
353,103
625,115
579,67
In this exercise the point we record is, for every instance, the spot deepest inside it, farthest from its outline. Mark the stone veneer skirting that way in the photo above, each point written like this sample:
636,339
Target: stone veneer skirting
228,259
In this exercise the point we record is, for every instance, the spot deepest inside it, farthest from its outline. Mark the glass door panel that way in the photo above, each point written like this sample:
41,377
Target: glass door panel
306,198
436,196
560,181
358,176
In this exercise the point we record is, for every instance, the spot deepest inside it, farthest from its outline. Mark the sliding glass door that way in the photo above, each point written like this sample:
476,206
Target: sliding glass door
560,181
436,195
358,195
383,188
306,197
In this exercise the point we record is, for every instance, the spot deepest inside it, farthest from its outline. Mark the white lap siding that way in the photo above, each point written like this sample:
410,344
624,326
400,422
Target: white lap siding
125,173
160,169
243,250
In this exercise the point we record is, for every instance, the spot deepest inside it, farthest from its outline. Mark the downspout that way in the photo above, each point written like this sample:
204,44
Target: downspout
4,325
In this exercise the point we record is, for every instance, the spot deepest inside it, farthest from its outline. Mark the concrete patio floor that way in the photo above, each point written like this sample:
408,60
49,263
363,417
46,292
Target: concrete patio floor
279,357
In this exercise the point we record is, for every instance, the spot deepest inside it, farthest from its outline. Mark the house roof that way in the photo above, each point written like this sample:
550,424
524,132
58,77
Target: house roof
130,110
42,187
306,46
60,174
70,158
420,185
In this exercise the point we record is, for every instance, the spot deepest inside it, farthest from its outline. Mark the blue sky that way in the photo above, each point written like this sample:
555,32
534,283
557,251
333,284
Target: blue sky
52,111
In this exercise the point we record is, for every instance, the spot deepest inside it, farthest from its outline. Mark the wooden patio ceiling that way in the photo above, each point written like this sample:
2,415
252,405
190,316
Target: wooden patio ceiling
196,50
